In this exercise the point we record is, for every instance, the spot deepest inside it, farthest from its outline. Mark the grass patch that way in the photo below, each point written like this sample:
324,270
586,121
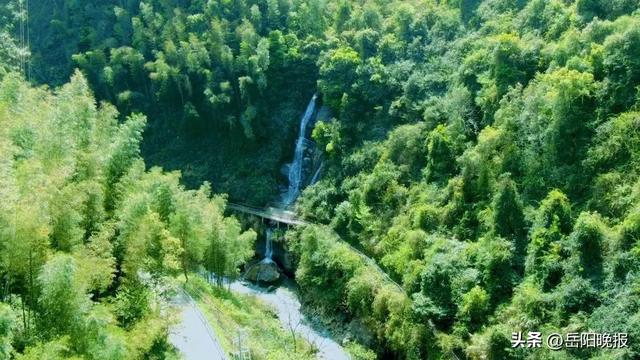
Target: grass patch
228,312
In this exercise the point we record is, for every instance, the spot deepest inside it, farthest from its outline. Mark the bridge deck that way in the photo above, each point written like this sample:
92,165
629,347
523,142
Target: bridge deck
288,217
270,213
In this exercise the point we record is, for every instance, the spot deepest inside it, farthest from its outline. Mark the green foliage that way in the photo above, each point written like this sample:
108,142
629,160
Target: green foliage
474,307
131,303
616,147
361,291
228,312
338,74
7,319
621,67
63,302
12,52
358,352
221,75
587,242
495,260
228,248
437,284
87,234
483,153
508,215
126,150
330,272
554,209
605,10
440,155
53,350
493,343
546,251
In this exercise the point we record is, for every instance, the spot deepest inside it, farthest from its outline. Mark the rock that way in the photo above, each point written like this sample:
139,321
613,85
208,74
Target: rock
265,271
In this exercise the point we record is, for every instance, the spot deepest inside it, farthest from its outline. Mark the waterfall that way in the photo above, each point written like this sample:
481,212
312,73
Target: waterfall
295,170
268,252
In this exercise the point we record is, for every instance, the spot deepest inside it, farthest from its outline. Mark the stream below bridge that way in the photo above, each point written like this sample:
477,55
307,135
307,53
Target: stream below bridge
284,300
193,336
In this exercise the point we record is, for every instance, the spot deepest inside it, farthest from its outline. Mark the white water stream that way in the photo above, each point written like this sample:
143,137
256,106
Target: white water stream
284,298
295,169
268,252
284,301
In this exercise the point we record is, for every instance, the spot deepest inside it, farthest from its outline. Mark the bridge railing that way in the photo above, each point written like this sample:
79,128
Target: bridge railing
279,215
261,212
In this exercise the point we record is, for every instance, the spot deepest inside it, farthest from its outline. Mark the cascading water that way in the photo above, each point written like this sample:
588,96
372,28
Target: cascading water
268,252
266,270
284,298
295,175
295,170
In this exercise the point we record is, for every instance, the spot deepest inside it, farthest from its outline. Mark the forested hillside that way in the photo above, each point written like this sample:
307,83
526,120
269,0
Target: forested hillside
221,82
485,154
87,234
487,157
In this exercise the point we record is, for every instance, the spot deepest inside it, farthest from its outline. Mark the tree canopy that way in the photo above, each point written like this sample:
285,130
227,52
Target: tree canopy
86,229
482,154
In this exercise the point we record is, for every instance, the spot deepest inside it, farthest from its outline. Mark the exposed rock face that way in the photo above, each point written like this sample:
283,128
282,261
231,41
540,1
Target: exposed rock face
265,271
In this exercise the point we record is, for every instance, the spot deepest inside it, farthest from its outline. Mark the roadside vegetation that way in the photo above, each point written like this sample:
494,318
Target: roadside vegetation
231,313
88,234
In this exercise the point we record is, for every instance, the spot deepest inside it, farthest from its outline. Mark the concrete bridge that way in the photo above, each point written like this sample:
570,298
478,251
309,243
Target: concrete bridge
282,216
290,218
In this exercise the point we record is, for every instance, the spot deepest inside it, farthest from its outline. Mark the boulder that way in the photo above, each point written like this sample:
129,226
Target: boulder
265,271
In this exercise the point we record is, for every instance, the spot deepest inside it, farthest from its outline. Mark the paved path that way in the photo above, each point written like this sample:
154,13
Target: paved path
193,337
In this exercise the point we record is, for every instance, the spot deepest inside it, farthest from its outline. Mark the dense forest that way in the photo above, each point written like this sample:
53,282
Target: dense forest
484,154
87,235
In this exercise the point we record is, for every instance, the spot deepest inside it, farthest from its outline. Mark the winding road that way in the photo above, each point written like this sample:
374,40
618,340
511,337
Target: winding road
193,336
